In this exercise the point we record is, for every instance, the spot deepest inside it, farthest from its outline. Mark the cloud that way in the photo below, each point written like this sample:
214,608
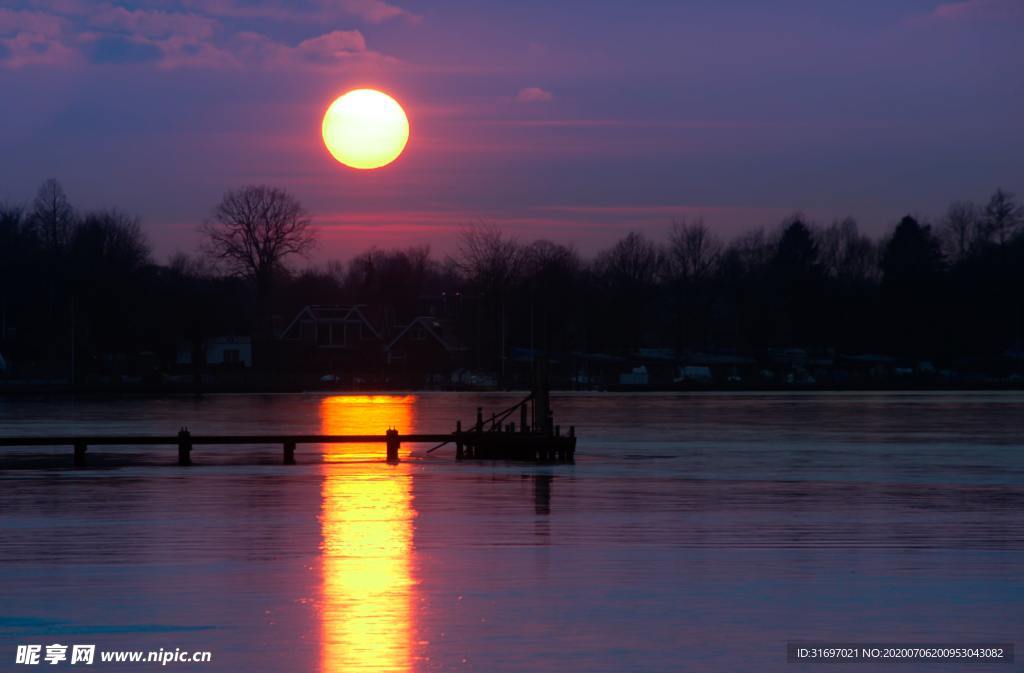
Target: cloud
26,49
332,47
339,47
121,49
533,94
14,22
193,37
153,24
65,6
979,9
317,11
168,39
31,38
375,11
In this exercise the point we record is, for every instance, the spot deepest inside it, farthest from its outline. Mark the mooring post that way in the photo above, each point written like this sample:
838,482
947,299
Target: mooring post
392,444
458,440
80,449
184,447
289,453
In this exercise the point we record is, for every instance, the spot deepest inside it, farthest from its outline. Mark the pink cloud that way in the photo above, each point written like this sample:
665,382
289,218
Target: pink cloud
348,233
625,123
26,49
979,9
339,47
375,11
332,46
32,38
533,94
590,228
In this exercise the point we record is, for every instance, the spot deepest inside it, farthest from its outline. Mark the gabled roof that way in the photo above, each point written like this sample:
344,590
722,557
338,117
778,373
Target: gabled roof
332,315
438,329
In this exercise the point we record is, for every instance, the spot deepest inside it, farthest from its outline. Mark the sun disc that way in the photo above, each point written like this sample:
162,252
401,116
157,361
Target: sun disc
365,128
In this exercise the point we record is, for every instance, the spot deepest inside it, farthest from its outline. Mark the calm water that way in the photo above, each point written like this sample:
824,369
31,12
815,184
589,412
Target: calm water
695,533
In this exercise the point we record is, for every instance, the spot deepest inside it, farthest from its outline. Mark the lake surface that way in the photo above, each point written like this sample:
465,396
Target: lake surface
694,533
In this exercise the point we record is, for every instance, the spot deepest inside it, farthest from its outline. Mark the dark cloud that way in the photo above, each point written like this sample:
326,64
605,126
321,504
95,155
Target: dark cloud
118,49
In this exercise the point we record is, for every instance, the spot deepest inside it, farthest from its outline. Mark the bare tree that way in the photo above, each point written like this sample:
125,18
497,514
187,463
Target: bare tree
12,218
845,253
395,278
634,261
748,252
488,258
693,250
961,229
52,217
110,239
187,266
253,230
542,258
1003,217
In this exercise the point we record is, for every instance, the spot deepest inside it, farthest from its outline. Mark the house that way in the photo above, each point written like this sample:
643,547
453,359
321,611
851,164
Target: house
219,351
694,374
426,346
331,327
637,376
333,340
722,367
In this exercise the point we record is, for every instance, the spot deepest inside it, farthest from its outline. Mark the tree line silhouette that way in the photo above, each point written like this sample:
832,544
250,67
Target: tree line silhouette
81,290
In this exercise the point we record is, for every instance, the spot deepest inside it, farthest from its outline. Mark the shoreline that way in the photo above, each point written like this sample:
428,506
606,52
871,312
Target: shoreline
173,390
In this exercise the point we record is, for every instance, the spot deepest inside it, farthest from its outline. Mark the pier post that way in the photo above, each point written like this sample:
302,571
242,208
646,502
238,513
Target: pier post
523,427
184,447
289,453
479,419
458,441
571,454
392,444
80,449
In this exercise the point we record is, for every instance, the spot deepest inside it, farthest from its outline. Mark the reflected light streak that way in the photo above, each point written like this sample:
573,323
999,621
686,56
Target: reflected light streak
366,527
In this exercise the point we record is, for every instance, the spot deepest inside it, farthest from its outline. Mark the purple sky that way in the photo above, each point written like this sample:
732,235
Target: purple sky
573,120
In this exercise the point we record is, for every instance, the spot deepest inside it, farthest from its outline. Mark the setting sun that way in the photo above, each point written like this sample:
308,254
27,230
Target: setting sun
365,128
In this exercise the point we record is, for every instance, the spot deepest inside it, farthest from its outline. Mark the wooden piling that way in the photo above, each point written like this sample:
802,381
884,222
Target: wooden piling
392,445
80,449
289,453
184,447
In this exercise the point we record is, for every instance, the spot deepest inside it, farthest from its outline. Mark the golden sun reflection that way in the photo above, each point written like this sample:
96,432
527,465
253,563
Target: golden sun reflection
366,525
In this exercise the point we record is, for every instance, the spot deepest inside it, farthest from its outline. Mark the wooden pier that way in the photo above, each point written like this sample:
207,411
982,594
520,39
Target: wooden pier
479,443
496,439
535,439
185,441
